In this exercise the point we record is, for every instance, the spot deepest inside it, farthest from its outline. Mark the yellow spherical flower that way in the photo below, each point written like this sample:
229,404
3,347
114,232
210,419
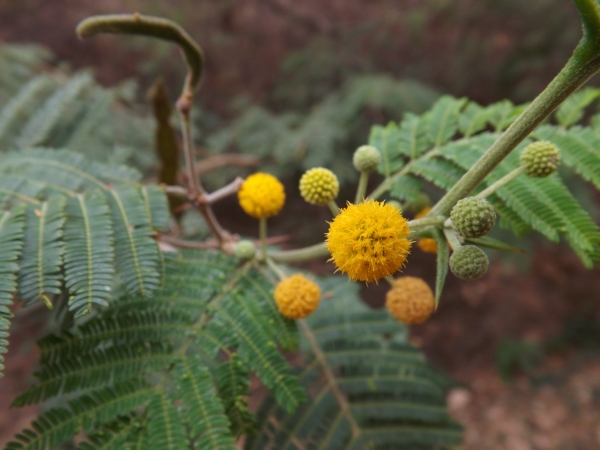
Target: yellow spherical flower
368,241
261,195
319,186
410,300
428,245
297,297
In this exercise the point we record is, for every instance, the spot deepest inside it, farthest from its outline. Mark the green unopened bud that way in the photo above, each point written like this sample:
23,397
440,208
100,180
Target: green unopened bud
366,158
469,262
473,217
540,159
245,249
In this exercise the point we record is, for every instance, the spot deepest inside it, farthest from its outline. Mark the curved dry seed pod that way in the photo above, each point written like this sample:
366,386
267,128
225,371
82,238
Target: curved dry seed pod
153,27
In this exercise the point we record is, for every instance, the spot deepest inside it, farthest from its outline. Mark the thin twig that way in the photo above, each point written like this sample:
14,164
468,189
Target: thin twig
177,190
225,191
188,146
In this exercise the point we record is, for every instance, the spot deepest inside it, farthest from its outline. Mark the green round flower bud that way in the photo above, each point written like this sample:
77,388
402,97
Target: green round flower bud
244,249
540,159
469,262
366,158
473,217
319,186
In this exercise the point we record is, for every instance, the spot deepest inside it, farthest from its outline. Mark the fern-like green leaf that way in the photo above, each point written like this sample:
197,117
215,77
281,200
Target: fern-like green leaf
11,242
117,438
413,135
580,149
89,255
387,141
380,404
258,352
572,109
443,119
49,431
234,389
136,253
157,207
473,119
114,363
202,409
15,190
43,249
96,110
406,187
39,126
63,169
442,173
87,412
166,430
21,105
97,368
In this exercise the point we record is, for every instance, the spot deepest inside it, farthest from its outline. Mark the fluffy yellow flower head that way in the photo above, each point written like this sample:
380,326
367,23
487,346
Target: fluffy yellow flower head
297,297
368,241
261,195
410,300
319,186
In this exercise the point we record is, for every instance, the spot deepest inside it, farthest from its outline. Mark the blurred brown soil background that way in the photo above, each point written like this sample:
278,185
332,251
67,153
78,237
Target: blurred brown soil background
534,318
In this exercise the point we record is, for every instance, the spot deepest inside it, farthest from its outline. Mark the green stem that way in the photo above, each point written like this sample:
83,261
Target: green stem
452,238
426,221
584,63
276,268
501,182
263,235
301,254
335,210
362,187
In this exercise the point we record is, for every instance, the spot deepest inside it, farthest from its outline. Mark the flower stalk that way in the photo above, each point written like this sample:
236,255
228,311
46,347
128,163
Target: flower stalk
362,187
501,182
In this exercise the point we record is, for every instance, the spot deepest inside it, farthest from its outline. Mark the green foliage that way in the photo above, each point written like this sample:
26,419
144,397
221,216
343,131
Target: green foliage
175,365
459,132
59,111
369,387
94,216
20,63
82,219
11,241
173,370
330,128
